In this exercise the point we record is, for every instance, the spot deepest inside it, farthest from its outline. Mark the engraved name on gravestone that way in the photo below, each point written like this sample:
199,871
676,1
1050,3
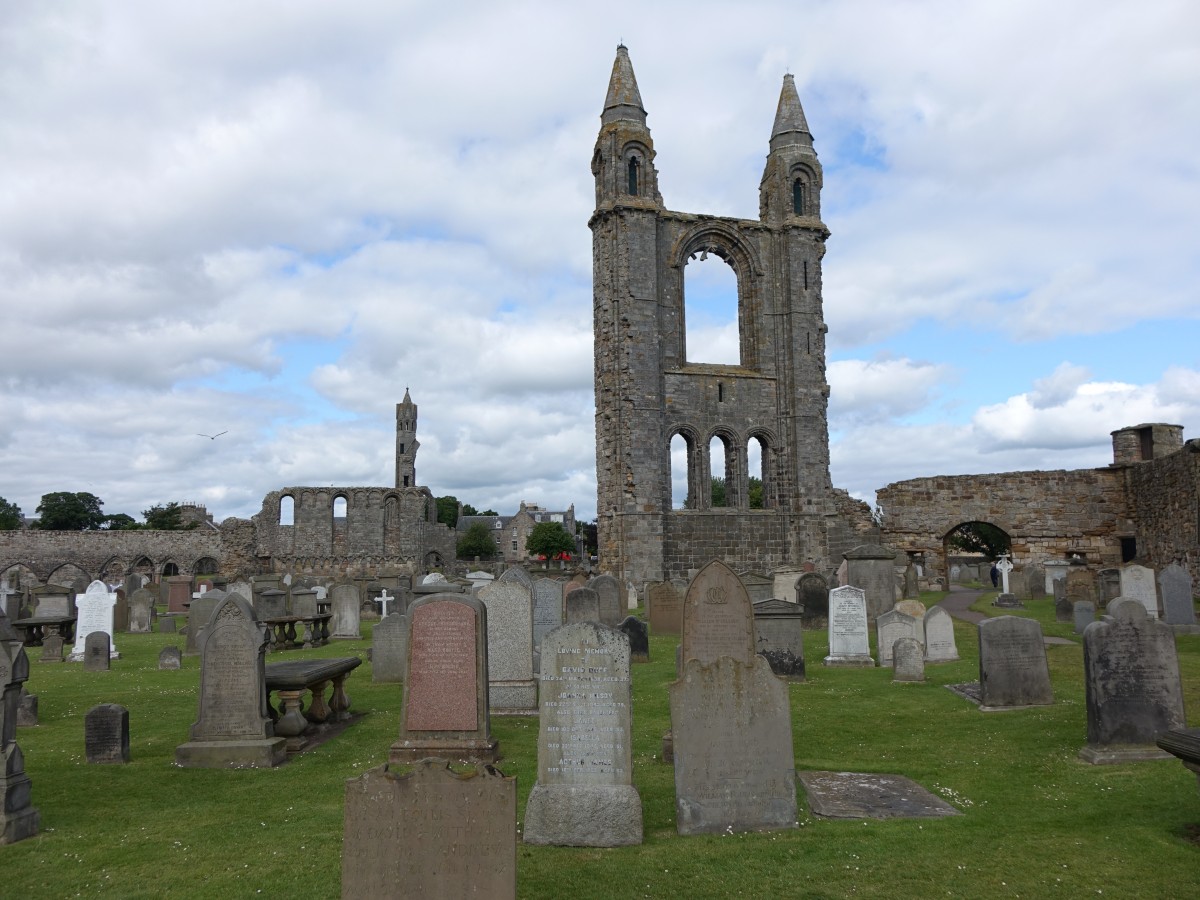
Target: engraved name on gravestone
1176,584
849,640
511,687
1137,583
1132,685
345,624
584,794
583,605
389,646
140,605
445,707
939,636
106,734
608,589
95,611
665,608
430,833
1013,671
890,627
718,619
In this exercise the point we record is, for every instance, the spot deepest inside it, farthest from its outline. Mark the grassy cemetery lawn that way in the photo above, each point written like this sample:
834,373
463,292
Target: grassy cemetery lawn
1036,821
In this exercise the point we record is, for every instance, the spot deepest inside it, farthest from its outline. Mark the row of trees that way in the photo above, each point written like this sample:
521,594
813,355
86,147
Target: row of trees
83,511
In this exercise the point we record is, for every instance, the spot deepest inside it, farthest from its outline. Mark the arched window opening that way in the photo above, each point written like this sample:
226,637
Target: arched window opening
798,196
339,507
169,570
756,465
710,298
680,474
635,167
206,565
287,510
717,459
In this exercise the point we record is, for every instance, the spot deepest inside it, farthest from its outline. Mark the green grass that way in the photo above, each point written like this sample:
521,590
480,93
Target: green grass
1036,822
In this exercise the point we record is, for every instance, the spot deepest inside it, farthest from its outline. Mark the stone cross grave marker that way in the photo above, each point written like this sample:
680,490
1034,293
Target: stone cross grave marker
430,833
384,600
1131,680
389,649
95,614
106,734
584,794
1013,671
849,641
1004,566
1176,584
1137,583
939,636
444,711
511,687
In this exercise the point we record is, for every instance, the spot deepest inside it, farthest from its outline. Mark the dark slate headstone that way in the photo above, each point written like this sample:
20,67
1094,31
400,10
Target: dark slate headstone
779,637
1131,679
233,728
665,608
1109,585
608,590
1176,585
1013,671
584,794
430,833
1064,610
389,649
1084,614
638,634
444,712
170,658
106,734
96,652
812,593
583,605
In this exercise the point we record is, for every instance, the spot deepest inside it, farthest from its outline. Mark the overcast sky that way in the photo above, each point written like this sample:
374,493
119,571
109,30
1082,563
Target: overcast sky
270,218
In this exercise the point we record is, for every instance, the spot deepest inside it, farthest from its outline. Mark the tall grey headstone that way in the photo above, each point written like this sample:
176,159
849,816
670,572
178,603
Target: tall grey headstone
1137,583
511,687
849,640
584,794
608,589
1176,585
95,614
199,614
718,618
1108,583
140,606
389,648
547,608
345,624
106,734
1013,671
940,645
1131,680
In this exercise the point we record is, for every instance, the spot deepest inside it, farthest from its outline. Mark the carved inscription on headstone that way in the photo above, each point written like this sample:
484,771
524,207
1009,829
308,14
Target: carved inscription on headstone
442,675
1012,664
940,645
849,644
718,619
547,608
665,608
106,734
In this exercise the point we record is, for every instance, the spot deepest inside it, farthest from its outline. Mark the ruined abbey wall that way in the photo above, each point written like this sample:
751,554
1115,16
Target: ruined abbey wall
95,553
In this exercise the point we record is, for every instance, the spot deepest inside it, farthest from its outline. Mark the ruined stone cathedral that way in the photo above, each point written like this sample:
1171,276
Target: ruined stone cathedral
648,392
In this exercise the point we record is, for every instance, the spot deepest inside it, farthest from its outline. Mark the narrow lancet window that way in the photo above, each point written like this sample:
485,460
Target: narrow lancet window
798,197
634,175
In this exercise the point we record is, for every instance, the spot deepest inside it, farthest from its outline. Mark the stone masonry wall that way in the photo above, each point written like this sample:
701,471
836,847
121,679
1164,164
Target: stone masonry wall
1165,501
97,552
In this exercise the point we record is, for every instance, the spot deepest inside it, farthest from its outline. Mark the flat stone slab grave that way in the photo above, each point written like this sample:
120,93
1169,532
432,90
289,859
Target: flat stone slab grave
854,795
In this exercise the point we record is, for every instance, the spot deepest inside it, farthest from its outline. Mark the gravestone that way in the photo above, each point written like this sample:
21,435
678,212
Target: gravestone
812,593
1013,671
911,591
584,794
608,590
665,608
444,712
95,614
849,641
1063,608
914,608
430,833
270,603
779,637
583,605
120,612
106,734
908,660
179,593
19,819
198,615
786,582
1059,590
1083,615
389,649
170,658
1108,583
511,686
140,606
1176,585
638,634
1056,570
1008,601
53,600
233,728
1081,585
730,717
345,624
547,609
940,645
757,585
1137,583
890,627
517,575
27,711
304,602
96,648
1035,580
872,568
1131,680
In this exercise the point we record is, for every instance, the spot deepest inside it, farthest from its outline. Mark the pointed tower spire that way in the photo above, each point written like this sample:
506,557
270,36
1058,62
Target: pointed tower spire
623,101
790,125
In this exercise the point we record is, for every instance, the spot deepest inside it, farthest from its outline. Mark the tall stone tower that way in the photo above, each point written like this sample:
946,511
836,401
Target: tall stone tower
647,391
406,442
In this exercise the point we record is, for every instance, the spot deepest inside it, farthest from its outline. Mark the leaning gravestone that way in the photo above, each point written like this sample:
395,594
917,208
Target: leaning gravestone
95,614
1013,671
730,717
779,637
389,648
1084,614
849,643
812,593
939,636
140,605
908,660
170,658
584,794
1131,679
1176,585
890,627
608,589
19,819
444,712
430,833
1137,583
638,634
233,728
583,605
511,688
665,608
96,648
345,624
106,734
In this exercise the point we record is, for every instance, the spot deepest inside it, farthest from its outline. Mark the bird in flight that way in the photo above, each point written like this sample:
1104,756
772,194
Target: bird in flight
213,437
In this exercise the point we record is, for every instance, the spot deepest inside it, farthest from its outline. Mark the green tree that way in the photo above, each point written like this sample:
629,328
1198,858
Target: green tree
587,530
549,539
66,511
980,537
166,518
447,510
120,522
718,491
10,516
469,510
756,492
477,541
